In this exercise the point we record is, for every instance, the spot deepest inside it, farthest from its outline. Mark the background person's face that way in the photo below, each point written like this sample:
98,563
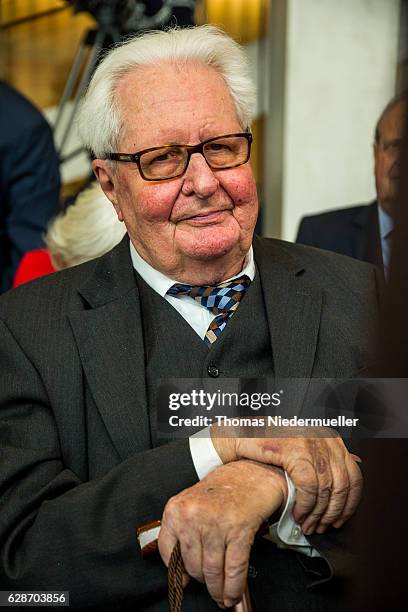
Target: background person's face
387,157
205,217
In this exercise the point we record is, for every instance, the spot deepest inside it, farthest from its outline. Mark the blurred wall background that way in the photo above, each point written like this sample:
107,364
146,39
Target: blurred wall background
340,71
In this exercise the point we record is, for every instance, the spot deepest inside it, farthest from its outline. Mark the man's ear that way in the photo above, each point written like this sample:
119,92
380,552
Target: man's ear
105,176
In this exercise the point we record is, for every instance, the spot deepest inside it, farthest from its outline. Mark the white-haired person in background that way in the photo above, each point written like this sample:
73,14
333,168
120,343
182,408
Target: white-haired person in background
87,229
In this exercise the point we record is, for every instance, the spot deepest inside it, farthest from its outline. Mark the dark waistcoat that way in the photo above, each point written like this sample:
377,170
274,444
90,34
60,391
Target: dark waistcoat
174,350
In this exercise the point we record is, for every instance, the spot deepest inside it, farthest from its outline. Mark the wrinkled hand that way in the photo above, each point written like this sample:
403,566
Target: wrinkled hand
327,478
216,521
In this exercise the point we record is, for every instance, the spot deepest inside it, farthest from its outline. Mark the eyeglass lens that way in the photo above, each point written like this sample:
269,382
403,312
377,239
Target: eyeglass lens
170,161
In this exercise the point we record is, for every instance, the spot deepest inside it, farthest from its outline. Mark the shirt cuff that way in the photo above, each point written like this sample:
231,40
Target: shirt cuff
286,533
205,457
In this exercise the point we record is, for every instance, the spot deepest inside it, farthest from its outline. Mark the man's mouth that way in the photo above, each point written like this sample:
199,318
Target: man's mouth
203,217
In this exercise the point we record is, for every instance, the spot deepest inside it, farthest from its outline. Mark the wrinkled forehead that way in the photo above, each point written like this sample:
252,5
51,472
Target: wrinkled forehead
168,96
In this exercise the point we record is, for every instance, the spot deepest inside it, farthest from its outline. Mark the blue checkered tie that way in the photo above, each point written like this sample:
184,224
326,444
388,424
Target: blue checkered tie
223,300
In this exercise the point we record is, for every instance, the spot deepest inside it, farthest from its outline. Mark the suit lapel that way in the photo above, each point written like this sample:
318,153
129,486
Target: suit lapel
367,243
110,343
293,311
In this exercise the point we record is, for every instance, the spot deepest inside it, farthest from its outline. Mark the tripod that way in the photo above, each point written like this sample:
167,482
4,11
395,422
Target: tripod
83,65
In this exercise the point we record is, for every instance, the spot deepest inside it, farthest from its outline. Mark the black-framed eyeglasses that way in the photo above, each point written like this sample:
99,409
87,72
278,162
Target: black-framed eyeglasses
170,161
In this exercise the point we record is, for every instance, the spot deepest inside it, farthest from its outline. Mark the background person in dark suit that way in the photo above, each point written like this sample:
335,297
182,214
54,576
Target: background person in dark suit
29,180
380,562
364,232
82,464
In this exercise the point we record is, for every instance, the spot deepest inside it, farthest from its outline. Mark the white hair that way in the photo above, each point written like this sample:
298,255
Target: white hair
87,229
99,118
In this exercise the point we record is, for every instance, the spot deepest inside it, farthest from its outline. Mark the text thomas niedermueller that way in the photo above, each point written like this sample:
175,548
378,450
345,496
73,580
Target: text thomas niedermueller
270,421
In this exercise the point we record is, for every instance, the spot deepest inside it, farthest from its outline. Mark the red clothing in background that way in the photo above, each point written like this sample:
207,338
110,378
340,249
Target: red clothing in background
33,265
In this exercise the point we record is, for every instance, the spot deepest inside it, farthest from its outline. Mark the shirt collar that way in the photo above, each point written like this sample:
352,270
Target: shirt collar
386,223
162,283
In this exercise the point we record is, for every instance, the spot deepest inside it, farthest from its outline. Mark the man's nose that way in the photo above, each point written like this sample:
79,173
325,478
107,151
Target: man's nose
199,178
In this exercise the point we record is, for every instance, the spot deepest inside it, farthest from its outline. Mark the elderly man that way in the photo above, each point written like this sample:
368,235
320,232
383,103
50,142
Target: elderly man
365,231
167,119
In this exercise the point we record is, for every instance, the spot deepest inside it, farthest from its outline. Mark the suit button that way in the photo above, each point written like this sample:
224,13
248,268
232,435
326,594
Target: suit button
252,573
213,371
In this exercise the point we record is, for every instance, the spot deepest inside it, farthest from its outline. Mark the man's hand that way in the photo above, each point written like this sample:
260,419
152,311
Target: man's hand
216,521
327,478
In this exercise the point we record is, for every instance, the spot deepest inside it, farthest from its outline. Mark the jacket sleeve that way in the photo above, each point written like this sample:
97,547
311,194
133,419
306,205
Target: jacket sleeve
59,531
32,190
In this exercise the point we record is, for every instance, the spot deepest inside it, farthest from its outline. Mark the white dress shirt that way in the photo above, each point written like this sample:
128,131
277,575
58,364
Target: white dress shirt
286,533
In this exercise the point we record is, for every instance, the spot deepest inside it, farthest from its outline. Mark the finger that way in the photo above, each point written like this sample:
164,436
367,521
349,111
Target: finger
213,564
236,571
355,492
303,475
192,552
324,474
185,579
167,541
339,495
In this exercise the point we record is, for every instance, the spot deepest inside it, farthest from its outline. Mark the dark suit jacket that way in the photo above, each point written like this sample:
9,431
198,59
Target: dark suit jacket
29,180
352,231
78,473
